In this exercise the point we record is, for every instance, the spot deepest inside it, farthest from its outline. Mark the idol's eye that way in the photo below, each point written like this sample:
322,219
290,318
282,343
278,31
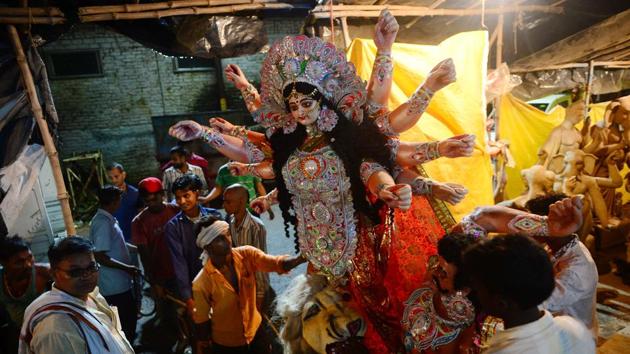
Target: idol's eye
308,103
312,311
293,107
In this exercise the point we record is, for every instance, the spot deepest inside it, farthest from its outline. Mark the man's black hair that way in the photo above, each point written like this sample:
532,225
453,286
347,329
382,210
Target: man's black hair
187,182
10,246
116,165
179,150
108,194
540,205
451,247
69,246
513,266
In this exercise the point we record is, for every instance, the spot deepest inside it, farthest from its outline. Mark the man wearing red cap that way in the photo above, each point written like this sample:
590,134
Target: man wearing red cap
147,232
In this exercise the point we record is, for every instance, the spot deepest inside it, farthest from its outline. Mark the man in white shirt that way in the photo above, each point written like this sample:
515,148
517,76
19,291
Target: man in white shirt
72,317
511,276
575,271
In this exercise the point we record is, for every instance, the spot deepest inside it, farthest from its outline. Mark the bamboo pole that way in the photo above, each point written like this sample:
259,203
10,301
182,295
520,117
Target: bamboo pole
184,11
415,20
31,11
93,10
587,94
612,63
18,20
49,145
401,10
499,57
499,60
345,32
493,37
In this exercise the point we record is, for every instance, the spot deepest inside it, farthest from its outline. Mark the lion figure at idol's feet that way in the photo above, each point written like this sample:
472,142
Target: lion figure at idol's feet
318,318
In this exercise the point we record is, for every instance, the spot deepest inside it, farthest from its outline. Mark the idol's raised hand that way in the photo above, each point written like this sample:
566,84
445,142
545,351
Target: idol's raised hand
385,31
565,216
451,193
186,130
441,75
221,125
238,168
235,75
396,196
457,146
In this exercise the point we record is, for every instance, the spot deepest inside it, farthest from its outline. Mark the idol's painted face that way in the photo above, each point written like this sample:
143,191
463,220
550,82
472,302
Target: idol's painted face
304,109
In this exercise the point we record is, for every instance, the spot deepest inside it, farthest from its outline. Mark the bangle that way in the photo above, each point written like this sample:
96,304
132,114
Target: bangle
367,169
422,186
239,131
419,100
426,152
470,226
530,225
213,138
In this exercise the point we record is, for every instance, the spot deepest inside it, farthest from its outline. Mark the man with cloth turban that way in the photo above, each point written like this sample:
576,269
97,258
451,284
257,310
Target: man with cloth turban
224,291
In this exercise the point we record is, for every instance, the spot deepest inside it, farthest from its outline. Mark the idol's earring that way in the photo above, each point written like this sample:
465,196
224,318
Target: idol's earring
327,119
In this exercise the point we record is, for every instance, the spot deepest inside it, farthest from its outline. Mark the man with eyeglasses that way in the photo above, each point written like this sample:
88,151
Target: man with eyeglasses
73,317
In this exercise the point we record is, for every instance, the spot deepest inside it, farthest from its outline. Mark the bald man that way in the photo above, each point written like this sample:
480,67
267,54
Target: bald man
246,230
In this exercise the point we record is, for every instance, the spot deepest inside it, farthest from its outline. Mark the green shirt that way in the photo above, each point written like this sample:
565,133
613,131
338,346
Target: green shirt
225,179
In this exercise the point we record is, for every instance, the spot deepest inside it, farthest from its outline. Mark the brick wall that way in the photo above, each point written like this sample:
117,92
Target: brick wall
112,113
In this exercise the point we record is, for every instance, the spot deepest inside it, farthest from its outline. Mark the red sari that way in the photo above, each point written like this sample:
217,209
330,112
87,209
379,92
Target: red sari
390,263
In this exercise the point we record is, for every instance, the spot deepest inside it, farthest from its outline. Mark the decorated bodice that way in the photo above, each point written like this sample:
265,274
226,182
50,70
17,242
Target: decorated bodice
322,201
425,328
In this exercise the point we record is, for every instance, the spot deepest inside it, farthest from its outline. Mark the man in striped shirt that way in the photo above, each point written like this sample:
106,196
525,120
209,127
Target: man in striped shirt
246,230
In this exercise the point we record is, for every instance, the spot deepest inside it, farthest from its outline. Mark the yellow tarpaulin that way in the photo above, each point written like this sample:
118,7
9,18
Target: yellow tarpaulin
457,109
527,128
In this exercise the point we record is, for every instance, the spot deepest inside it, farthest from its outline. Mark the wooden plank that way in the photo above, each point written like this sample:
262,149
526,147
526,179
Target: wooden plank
612,63
550,67
579,47
432,6
406,11
230,9
31,11
93,10
31,20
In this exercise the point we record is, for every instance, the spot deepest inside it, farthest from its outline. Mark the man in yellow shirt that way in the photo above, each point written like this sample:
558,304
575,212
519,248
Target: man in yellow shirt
224,291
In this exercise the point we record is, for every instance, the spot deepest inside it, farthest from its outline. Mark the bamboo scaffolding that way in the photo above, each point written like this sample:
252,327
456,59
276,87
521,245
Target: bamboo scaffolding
49,145
589,89
19,20
346,33
31,11
612,63
611,48
608,64
184,11
499,57
432,6
321,12
93,10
